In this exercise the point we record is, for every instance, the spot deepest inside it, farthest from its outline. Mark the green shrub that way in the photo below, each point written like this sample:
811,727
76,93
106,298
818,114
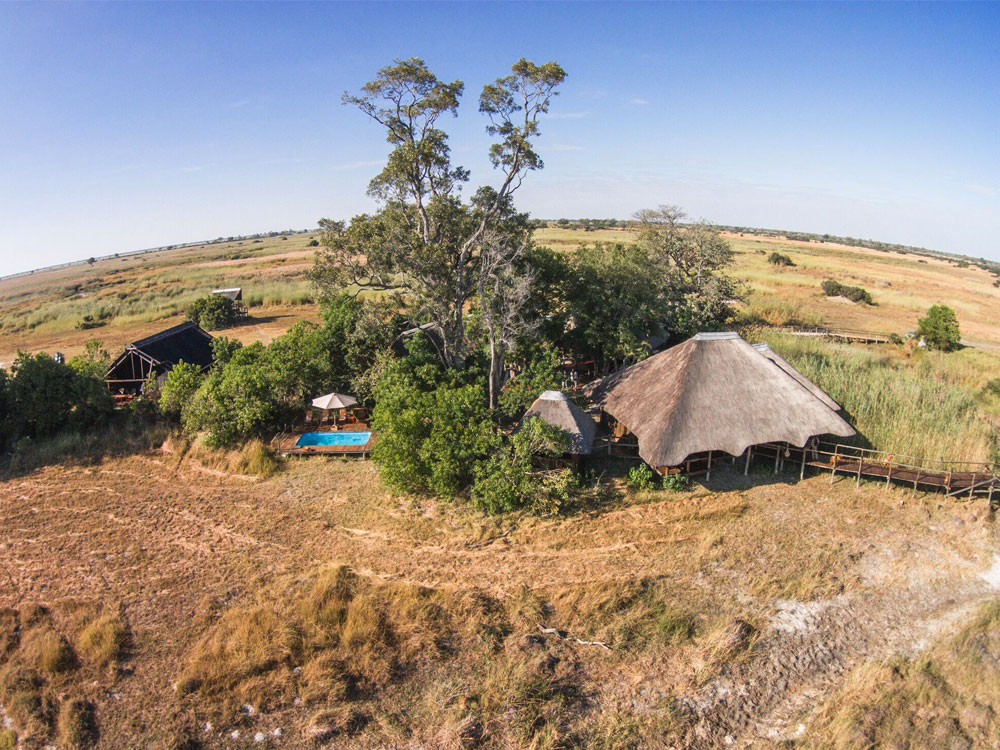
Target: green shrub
182,382
675,625
833,288
675,482
939,329
212,312
640,477
778,259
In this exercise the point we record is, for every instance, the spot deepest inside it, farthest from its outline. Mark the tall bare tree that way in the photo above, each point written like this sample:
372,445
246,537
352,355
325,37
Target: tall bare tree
504,291
425,243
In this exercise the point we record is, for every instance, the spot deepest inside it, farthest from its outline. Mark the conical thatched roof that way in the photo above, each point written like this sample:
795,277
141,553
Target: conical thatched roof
556,409
713,392
801,379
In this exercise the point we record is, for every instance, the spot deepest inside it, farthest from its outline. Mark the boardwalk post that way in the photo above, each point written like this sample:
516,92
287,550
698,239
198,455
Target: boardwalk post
947,484
888,475
861,459
708,472
915,480
802,469
746,468
833,474
777,457
972,486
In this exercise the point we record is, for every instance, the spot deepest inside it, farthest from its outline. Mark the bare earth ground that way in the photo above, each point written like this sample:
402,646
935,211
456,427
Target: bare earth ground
828,574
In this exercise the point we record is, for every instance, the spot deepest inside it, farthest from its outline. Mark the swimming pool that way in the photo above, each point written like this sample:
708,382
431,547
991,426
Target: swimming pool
332,438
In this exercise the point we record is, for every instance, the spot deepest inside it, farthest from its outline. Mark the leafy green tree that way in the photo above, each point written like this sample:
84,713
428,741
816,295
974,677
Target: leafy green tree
179,388
690,261
939,329
433,426
6,417
235,402
223,348
212,312
43,393
540,372
505,480
92,403
93,362
424,243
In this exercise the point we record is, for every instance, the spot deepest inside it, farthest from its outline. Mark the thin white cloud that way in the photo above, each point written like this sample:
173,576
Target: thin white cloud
640,101
979,189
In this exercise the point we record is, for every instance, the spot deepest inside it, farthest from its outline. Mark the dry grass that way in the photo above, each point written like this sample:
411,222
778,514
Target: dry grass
940,699
104,641
77,725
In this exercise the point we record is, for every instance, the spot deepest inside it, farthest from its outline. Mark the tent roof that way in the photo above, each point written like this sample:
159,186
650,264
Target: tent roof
186,341
235,293
713,392
801,379
556,409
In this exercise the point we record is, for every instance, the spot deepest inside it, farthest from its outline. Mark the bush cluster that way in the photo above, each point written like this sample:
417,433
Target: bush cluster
212,312
833,288
778,259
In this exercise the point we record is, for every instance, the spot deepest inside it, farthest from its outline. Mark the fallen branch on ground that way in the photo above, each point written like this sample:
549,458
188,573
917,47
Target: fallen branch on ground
555,632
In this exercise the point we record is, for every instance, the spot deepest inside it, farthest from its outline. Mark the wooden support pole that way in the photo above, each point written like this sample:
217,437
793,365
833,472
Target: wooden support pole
888,475
833,474
802,469
972,485
915,480
860,464
777,457
746,468
708,471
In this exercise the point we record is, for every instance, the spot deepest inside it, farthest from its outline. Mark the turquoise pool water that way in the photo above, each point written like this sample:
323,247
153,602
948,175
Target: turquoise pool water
333,438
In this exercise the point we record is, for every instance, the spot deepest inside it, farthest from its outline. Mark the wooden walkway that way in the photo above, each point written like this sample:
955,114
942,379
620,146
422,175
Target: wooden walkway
954,478
840,334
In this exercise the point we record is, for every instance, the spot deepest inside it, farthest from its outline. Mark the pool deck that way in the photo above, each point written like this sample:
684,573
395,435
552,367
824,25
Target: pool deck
285,442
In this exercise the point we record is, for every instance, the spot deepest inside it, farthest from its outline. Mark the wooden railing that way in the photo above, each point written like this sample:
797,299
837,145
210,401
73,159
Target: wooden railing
845,334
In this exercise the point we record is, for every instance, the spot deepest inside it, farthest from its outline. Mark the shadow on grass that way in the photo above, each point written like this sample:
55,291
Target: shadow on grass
124,436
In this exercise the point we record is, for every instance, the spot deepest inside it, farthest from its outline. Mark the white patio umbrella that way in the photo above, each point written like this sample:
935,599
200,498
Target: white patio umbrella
334,401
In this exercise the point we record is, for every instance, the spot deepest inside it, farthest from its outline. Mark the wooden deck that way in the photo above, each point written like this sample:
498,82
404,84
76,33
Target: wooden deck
285,442
840,334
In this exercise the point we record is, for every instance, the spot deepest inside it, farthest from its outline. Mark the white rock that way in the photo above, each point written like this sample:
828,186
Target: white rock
259,737
235,734
297,701
208,726
278,732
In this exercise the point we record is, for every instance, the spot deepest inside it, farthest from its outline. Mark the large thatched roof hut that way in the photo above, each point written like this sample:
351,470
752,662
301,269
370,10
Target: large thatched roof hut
799,378
556,409
714,392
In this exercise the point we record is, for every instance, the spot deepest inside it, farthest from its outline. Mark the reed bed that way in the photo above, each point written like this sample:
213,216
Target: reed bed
915,405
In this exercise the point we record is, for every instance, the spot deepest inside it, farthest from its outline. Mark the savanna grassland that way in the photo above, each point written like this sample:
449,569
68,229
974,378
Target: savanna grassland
157,594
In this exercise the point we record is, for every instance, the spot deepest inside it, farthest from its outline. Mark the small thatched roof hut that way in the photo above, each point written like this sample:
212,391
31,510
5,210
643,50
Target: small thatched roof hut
714,392
556,409
801,379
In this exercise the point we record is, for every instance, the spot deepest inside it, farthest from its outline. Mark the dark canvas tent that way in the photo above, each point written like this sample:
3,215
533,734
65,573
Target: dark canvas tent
799,378
556,409
714,392
158,354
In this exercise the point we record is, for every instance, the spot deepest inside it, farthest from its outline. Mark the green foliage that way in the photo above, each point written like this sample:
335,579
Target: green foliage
939,329
641,478
223,348
433,426
45,396
833,288
779,259
94,361
182,382
540,372
675,482
212,312
505,481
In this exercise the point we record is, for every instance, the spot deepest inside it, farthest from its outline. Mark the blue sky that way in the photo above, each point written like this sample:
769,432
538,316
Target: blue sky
133,125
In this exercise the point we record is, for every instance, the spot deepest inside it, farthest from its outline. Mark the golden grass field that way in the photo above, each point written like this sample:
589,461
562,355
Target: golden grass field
163,596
